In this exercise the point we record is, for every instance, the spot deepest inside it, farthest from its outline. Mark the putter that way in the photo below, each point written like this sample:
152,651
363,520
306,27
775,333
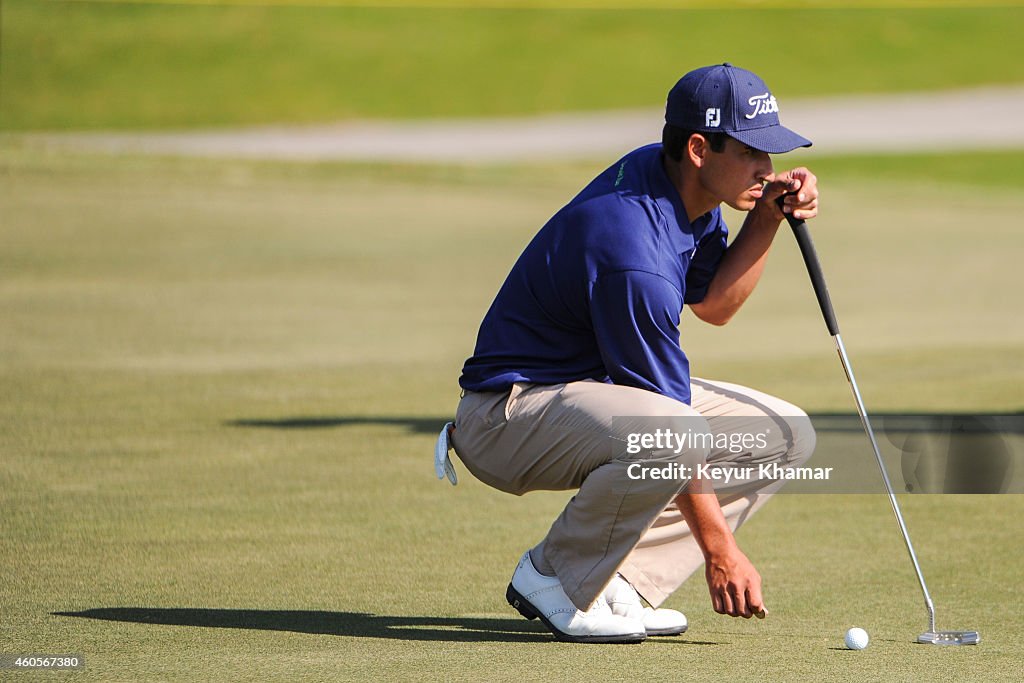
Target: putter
803,239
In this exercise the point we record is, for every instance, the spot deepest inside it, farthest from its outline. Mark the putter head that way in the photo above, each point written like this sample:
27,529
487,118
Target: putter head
949,638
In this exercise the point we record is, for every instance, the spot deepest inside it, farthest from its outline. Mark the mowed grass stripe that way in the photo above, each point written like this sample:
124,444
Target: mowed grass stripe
584,4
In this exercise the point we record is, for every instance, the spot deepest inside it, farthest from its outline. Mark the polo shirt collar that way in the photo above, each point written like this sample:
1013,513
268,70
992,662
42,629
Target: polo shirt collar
667,193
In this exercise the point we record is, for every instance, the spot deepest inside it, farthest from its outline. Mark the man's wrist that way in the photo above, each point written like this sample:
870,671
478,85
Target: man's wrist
764,217
719,548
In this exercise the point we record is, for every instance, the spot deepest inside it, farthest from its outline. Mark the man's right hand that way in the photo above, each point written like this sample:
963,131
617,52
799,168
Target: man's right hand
734,584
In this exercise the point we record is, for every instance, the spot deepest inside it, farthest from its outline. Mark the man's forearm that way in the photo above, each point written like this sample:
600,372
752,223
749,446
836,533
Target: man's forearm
703,514
740,269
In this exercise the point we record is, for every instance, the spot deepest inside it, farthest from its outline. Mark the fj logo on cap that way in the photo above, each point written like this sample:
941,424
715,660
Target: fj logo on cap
713,118
763,104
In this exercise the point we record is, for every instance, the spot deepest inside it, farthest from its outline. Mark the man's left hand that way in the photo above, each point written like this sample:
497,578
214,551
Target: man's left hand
800,188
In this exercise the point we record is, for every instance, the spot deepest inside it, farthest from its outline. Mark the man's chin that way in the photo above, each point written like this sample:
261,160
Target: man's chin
742,204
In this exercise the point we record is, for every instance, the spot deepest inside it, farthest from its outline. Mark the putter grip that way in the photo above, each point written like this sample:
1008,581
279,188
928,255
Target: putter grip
803,238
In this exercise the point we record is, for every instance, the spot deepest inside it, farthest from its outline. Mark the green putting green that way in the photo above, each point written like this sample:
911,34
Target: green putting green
222,382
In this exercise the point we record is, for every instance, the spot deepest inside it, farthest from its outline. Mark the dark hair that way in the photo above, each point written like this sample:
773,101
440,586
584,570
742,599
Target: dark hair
674,139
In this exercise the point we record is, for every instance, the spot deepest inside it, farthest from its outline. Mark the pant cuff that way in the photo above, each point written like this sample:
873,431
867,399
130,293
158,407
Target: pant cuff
644,585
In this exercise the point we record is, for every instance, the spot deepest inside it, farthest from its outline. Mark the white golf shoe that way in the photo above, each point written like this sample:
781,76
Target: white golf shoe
625,601
539,596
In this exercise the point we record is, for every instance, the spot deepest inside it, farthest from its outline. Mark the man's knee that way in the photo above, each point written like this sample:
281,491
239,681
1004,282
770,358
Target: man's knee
801,438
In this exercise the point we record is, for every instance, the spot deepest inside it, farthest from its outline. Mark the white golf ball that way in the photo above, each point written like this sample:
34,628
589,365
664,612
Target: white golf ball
857,639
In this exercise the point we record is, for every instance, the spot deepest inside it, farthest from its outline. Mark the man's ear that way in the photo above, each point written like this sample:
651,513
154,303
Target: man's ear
697,149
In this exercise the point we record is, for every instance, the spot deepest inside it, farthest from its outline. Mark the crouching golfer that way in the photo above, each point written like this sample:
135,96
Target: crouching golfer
585,332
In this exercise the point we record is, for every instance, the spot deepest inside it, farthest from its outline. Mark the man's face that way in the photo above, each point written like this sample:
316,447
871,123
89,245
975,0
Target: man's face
736,175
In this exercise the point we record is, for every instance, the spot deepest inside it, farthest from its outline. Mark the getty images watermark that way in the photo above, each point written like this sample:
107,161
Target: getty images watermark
729,448
827,453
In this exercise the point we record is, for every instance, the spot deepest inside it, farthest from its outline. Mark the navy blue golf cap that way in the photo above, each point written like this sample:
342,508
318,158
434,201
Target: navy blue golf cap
726,99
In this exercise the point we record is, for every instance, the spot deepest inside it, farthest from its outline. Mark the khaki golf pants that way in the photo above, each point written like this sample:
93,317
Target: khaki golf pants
574,436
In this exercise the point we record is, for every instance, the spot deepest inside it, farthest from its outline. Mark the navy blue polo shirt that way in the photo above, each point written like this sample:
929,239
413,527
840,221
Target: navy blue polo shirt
598,292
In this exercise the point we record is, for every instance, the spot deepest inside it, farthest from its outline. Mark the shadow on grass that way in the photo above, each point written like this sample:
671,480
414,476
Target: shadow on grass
356,624
1008,422
416,425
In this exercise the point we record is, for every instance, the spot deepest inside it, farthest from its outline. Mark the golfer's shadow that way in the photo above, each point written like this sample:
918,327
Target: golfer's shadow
357,624
415,425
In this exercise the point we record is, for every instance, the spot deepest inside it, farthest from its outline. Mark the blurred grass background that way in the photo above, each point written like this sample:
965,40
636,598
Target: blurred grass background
119,65
221,380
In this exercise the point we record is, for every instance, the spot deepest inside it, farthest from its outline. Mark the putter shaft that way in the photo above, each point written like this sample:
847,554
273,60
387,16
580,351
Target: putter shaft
810,257
929,605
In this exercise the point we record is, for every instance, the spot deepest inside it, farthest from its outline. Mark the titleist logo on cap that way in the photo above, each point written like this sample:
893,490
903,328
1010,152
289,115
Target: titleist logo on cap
763,104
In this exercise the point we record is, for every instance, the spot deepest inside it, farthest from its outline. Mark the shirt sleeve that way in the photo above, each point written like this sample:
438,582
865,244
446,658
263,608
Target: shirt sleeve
635,315
705,260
